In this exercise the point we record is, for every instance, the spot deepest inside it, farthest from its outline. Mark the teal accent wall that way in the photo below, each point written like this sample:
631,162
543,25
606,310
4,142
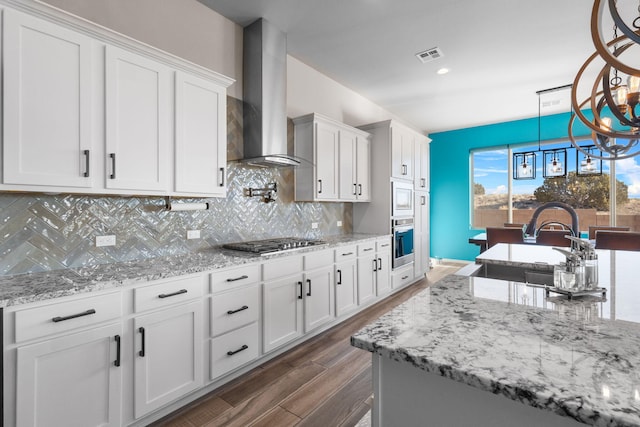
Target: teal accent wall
450,176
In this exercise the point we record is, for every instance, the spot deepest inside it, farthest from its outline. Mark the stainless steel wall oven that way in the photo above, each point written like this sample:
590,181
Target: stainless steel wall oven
402,241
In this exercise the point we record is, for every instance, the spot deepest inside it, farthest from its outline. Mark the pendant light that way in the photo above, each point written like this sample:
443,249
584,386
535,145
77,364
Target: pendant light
555,162
588,161
524,165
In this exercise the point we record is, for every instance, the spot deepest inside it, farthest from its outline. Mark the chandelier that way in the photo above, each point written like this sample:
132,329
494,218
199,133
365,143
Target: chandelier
615,136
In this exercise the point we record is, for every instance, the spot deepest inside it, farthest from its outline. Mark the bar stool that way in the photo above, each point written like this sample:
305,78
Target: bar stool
553,238
594,228
504,235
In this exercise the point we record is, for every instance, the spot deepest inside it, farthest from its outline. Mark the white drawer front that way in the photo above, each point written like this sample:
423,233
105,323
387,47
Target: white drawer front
318,259
234,342
368,248
281,267
346,252
383,244
233,309
223,280
401,278
68,315
168,292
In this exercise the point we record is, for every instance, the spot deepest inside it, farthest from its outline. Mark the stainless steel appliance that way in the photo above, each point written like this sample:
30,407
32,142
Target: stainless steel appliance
402,241
401,199
270,246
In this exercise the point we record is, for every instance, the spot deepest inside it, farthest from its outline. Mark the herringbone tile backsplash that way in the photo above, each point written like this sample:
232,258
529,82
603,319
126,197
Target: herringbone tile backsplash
44,232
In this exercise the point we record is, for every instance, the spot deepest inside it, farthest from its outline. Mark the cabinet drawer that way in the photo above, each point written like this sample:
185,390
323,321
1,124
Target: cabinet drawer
226,279
233,309
232,350
318,259
281,267
65,316
367,248
168,292
403,277
345,252
383,244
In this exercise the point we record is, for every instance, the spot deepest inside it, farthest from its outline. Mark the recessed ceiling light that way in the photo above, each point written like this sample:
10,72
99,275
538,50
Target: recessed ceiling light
442,71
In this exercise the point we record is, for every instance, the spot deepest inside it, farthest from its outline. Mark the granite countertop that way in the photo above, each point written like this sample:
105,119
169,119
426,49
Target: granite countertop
576,358
31,287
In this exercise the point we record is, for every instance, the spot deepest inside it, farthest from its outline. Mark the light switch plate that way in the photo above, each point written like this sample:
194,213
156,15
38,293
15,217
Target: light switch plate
193,234
109,240
339,223
314,225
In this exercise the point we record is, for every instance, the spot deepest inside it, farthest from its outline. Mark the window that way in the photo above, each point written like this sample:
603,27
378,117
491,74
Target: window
498,198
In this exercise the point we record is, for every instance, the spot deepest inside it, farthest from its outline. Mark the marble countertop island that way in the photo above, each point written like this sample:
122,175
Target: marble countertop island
579,359
31,287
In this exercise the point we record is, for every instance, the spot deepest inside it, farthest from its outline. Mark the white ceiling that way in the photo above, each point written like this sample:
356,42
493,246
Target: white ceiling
500,52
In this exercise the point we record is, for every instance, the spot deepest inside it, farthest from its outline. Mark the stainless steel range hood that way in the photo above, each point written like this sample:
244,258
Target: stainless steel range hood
265,96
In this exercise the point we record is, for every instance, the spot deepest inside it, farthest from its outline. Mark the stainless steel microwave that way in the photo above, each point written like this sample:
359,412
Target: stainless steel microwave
401,199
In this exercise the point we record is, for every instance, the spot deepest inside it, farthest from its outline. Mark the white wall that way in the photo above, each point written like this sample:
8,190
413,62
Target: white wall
190,30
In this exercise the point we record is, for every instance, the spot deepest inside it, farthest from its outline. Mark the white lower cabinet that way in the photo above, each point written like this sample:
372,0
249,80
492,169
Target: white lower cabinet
318,297
402,276
346,279
168,356
383,267
71,380
367,264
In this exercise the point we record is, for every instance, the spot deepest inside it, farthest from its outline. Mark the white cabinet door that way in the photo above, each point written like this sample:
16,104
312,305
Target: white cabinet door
201,140
421,164
326,158
363,169
282,311
421,235
168,356
347,171
137,111
318,298
402,146
383,273
366,279
74,380
346,287
47,104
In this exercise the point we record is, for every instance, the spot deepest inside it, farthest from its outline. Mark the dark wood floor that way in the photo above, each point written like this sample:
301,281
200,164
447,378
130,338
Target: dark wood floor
322,382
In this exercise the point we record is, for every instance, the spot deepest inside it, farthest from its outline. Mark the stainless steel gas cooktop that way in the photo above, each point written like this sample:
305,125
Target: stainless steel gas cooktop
270,246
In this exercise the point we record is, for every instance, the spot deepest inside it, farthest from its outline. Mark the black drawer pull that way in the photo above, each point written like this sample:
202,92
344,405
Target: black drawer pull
244,307
367,249
300,284
375,265
173,294
379,264
141,352
348,253
309,283
405,277
243,348
117,362
385,245
73,316
340,277
244,276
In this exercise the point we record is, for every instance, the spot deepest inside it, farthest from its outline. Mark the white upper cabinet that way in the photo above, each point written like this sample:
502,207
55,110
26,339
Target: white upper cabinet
340,160
201,116
402,152
137,116
421,169
87,110
47,103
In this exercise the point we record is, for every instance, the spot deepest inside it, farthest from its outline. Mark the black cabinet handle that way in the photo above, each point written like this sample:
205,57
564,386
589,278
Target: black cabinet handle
231,353
423,200
348,253
141,352
354,189
384,245
87,160
404,277
359,189
339,277
221,177
423,182
379,264
300,295
244,276
320,183
375,264
73,316
367,249
309,283
404,169
113,165
244,307
117,362
173,294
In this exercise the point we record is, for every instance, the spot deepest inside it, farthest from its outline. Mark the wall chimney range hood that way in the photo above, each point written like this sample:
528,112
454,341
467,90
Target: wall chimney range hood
265,96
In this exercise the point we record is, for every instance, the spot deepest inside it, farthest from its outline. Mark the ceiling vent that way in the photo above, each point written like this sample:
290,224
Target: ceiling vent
429,55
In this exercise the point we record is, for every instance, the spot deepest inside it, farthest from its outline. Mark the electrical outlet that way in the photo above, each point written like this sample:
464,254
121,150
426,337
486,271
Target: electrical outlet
193,234
339,223
314,225
105,240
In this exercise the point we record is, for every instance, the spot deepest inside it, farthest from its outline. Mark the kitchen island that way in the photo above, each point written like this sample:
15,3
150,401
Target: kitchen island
474,351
